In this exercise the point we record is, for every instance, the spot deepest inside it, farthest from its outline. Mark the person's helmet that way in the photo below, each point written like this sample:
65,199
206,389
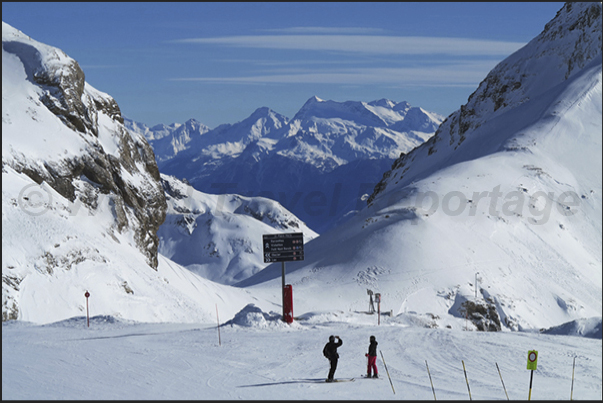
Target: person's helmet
331,338
372,338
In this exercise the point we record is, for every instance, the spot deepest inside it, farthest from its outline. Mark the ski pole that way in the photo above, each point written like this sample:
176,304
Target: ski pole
390,379
430,381
467,379
503,383
573,368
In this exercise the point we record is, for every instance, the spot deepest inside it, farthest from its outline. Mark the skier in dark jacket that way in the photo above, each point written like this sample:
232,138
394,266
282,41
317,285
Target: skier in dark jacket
372,358
330,351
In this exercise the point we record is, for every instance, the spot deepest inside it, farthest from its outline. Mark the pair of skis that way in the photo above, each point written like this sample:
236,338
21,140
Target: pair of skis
341,380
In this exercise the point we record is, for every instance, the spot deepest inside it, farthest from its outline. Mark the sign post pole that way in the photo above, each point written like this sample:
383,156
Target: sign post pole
283,288
532,365
284,247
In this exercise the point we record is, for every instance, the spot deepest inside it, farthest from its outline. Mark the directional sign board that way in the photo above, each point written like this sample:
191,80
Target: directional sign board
286,247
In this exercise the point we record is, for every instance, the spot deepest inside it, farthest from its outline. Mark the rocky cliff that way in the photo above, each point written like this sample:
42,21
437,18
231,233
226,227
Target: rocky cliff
65,151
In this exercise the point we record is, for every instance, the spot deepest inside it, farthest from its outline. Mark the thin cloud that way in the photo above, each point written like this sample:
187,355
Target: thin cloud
378,44
325,30
459,74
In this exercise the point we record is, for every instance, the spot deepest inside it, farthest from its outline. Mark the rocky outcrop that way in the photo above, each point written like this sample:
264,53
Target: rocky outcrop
113,161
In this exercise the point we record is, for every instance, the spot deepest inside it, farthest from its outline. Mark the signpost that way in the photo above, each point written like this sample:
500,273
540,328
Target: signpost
532,364
286,247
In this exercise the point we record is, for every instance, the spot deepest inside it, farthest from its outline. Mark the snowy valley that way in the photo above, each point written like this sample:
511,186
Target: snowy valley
482,236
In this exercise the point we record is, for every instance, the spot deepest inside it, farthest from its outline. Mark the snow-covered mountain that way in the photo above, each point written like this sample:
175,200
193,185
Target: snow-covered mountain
497,217
168,140
82,202
220,236
318,165
515,205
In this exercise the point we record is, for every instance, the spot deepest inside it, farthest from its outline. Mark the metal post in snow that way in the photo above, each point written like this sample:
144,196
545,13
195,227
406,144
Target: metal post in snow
283,287
531,376
430,381
218,319
87,294
390,379
503,383
572,392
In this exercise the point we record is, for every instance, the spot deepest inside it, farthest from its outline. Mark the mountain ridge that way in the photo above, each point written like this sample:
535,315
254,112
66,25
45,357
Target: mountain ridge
303,154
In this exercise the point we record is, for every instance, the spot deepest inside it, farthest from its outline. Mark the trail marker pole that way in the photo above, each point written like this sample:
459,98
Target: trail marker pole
390,379
430,381
218,318
573,368
87,294
466,379
503,383
532,364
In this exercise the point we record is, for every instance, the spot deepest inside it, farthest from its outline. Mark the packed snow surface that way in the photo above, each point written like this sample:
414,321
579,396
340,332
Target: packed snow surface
256,356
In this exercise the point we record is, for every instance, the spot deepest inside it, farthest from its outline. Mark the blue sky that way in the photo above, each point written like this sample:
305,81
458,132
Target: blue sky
218,62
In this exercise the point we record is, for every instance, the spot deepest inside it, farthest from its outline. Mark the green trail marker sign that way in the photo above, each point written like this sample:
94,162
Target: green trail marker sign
532,359
532,364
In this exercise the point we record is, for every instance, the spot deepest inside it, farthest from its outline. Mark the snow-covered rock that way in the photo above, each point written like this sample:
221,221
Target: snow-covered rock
253,316
220,236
